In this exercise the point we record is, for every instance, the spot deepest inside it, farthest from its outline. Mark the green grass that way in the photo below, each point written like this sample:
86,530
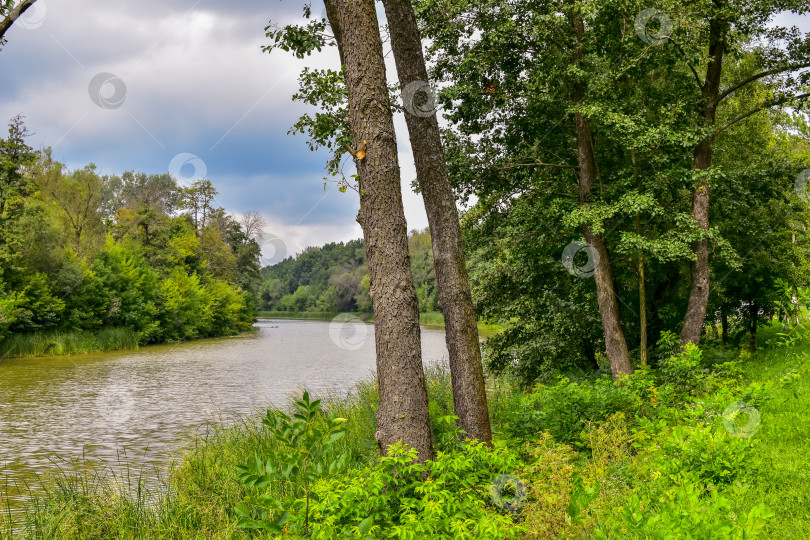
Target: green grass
783,437
58,343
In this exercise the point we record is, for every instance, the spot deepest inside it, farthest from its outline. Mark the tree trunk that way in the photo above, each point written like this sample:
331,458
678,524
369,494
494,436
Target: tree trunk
699,293
403,410
615,344
642,309
455,296
724,324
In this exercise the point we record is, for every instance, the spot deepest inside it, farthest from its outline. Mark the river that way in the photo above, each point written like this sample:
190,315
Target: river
133,409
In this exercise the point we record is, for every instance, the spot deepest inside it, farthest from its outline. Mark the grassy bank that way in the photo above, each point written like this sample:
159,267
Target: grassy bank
432,319
655,456
309,315
58,343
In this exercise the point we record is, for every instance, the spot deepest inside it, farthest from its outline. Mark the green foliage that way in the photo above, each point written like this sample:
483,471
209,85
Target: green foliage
684,371
793,312
80,253
683,511
401,498
303,459
707,453
334,278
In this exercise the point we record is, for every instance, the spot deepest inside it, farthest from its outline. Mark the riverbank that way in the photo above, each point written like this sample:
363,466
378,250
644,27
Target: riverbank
81,342
433,319
62,343
659,456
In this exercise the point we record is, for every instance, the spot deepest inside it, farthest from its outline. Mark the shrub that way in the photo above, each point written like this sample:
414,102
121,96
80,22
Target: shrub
683,511
707,452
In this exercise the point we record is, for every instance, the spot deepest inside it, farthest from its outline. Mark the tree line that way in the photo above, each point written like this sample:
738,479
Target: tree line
334,278
84,252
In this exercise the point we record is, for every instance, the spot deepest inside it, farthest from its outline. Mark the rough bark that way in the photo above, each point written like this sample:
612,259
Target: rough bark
699,291
403,409
455,296
13,14
615,343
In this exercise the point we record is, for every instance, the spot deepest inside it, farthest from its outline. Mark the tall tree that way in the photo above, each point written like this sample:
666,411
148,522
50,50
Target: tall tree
455,296
403,408
252,224
198,199
781,54
615,343
78,195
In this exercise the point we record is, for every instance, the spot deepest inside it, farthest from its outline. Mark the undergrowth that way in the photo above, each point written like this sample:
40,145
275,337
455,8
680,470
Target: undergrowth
706,445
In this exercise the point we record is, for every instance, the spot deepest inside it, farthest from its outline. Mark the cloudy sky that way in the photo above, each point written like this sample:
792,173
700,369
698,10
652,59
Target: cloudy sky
151,85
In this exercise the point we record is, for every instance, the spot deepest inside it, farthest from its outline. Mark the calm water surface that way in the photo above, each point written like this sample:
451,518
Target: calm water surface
134,408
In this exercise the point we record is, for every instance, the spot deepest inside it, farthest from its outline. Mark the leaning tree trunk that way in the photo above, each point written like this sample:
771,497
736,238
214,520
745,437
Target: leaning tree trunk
615,344
403,410
699,292
455,297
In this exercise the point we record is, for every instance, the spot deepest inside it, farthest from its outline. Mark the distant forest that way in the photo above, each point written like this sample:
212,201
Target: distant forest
334,278
82,253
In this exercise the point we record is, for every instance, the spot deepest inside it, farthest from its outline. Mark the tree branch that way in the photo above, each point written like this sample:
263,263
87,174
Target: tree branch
688,63
13,15
754,111
758,76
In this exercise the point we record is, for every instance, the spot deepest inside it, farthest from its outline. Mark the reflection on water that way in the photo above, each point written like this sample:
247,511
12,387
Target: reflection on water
142,403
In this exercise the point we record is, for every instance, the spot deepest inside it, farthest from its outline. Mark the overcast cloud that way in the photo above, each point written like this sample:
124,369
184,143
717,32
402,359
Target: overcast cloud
196,83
